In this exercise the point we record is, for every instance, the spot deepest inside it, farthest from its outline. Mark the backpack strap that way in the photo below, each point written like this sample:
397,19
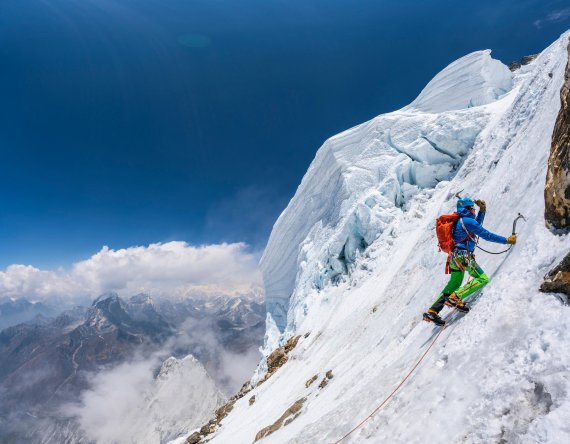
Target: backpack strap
474,239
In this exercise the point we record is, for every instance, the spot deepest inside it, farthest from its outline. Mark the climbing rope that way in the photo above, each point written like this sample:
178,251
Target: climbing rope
494,252
397,387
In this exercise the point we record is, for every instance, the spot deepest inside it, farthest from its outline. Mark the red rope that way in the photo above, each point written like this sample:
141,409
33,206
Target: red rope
398,386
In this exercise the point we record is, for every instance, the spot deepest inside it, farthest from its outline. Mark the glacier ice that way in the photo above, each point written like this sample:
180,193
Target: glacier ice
363,178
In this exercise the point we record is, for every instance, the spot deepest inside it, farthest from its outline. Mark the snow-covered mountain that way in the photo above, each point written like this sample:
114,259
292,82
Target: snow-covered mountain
14,311
179,398
179,382
352,264
63,377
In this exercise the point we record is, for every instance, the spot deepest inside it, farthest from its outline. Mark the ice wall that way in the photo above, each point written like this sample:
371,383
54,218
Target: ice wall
362,178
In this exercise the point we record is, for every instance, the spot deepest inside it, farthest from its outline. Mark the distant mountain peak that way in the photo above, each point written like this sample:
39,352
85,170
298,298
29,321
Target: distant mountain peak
141,298
104,297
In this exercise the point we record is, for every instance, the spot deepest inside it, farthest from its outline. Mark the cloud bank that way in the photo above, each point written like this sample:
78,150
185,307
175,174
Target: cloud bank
129,403
173,269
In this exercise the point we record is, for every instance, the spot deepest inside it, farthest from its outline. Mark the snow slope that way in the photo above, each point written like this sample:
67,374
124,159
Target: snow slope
353,261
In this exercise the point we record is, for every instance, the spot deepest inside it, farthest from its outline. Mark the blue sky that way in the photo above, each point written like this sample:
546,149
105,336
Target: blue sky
138,121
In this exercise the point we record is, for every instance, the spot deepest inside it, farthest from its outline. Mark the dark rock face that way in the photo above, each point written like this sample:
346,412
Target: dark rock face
558,279
328,376
516,64
528,58
311,380
194,438
557,189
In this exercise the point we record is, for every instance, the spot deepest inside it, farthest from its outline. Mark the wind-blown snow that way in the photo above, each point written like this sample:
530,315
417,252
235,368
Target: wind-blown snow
368,205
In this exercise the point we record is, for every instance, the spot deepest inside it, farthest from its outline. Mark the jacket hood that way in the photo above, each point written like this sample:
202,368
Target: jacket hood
464,212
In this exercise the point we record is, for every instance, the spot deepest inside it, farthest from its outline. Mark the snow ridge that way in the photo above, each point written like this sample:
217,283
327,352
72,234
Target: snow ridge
473,80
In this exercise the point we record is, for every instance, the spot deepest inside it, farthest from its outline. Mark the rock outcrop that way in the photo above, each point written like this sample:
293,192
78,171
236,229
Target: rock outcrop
279,357
286,418
557,189
311,380
194,438
558,279
516,64
326,379
212,425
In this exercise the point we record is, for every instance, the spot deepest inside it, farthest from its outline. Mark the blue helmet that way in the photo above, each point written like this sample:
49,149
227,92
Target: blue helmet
464,202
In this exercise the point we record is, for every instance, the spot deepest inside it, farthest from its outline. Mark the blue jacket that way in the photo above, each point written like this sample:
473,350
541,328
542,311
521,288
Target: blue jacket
475,228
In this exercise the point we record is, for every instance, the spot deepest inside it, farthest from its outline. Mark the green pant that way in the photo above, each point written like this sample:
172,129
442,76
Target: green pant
461,261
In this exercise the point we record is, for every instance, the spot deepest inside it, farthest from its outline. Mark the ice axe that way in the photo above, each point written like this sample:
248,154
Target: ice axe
520,216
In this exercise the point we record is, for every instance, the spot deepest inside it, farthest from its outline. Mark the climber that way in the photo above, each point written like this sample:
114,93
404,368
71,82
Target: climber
465,232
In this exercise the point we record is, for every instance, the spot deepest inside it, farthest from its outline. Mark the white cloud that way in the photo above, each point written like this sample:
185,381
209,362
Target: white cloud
113,395
556,16
128,404
173,269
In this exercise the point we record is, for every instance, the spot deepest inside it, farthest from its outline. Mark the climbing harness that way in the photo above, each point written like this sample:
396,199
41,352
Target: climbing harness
462,259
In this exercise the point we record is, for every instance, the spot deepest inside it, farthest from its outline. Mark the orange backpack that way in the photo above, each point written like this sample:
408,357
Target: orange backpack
443,230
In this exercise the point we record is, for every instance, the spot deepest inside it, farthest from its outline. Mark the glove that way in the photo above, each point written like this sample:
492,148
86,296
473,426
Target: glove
481,204
512,239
